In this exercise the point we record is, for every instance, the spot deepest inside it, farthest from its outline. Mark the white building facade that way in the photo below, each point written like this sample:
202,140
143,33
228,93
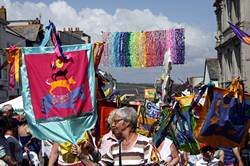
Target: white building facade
233,56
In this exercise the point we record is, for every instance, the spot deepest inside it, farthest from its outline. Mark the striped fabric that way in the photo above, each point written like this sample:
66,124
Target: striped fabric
139,154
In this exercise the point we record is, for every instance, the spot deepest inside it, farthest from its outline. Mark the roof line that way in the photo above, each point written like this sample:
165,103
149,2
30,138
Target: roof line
15,32
12,21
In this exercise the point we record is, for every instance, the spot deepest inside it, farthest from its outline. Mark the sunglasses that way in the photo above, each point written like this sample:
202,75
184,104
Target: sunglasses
116,121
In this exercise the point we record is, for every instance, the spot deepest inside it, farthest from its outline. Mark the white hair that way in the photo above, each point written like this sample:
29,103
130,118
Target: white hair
128,114
111,116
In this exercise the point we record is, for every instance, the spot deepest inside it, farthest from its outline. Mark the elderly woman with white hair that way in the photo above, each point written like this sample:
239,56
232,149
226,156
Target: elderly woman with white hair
131,149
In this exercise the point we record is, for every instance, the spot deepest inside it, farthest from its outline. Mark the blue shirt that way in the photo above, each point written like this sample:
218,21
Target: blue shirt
229,157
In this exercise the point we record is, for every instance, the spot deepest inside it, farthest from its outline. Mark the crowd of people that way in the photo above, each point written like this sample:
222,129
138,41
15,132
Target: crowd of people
17,145
122,145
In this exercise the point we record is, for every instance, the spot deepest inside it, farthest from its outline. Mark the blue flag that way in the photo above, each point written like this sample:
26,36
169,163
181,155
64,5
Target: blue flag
244,37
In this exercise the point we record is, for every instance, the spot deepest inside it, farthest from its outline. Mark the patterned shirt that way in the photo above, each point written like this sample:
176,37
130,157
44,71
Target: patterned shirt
107,141
139,154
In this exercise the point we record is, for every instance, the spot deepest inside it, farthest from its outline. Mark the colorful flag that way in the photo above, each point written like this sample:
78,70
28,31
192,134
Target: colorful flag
149,93
59,93
224,119
13,57
183,124
244,37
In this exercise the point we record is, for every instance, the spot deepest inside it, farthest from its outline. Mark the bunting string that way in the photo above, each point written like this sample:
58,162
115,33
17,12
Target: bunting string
143,49
104,58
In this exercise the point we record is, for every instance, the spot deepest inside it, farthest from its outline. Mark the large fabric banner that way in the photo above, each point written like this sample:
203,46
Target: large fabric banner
59,94
148,117
224,119
183,125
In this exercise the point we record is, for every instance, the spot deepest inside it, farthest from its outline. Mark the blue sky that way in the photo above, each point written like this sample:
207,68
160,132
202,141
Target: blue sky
94,16
195,12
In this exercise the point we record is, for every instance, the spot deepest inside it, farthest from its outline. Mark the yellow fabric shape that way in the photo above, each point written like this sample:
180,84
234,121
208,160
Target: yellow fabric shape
14,57
246,39
65,148
98,49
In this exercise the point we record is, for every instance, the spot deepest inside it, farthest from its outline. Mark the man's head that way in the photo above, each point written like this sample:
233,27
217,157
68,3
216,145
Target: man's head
207,152
7,110
124,120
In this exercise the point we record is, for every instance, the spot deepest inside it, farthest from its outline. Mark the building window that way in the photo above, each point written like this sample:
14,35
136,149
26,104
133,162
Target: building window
224,16
229,58
3,95
3,72
220,22
236,11
229,64
0,65
238,58
229,10
235,72
225,69
221,67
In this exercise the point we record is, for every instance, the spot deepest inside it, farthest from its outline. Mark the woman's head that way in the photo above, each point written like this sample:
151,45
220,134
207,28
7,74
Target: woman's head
124,120
7,110
128,114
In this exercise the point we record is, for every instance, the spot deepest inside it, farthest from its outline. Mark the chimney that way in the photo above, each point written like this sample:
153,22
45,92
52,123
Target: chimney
37,21
3,14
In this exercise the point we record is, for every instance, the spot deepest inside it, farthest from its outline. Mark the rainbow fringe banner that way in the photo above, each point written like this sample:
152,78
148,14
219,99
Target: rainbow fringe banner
143,49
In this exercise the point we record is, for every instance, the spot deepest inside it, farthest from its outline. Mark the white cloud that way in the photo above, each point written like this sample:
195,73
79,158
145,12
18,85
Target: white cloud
199,44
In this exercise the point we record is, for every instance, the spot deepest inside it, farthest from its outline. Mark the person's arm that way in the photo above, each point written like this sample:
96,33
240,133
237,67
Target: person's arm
236,152
53,154
96,155
88,162
8,160
185,158
82,156
12,150
219,154
174,154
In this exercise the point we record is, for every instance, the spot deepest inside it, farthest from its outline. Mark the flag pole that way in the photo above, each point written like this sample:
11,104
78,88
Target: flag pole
166,84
